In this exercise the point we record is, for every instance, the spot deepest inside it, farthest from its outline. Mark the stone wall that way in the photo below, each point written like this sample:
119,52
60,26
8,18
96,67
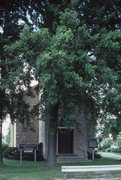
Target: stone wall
81,136
80,143
26,134
82,132
29,134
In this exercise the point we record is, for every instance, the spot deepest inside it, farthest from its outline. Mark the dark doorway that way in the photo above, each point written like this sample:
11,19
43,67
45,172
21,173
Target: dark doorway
65,141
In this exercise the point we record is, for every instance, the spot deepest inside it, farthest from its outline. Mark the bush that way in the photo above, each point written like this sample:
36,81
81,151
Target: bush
105,144
8,152
96,155
14,153
108,150
116,149
113,149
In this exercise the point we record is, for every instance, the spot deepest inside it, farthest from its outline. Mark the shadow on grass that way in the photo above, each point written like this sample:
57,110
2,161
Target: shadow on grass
14,170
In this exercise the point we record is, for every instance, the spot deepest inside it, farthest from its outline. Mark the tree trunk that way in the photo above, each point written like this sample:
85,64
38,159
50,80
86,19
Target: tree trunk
52,136
1,152
2,105
2,97
2,112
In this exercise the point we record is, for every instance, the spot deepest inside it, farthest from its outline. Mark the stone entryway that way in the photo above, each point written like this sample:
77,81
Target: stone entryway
65,141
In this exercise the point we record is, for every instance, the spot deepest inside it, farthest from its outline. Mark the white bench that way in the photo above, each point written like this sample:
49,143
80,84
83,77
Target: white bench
96,168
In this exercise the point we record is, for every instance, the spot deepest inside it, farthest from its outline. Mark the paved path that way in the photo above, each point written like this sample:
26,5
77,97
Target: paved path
110,155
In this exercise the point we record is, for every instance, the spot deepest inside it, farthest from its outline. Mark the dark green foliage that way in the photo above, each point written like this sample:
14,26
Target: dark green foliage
96,155
13,14
8,152
14,153
76,67
100,14
64,68
76,58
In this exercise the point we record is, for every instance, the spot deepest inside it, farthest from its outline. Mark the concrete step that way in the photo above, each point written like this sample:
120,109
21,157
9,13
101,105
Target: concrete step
69,158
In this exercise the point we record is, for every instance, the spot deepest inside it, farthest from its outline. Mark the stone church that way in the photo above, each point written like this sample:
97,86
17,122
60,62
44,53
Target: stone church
71,144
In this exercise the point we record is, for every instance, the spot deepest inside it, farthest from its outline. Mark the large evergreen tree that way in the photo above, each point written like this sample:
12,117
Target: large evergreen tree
100,14
104,18
93,79
13,14
8,68
75,69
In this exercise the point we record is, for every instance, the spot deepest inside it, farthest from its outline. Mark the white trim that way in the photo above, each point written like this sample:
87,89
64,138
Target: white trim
13,135
66,127
57,144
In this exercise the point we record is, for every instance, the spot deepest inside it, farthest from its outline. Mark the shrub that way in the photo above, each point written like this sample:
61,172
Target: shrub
96,155
14,153
116,149
105,144
8,152
108,150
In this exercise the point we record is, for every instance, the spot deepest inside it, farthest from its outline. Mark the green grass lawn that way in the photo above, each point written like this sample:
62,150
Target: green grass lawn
14,170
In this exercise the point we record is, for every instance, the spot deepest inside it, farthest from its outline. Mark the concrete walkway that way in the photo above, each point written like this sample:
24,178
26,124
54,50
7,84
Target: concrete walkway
110,155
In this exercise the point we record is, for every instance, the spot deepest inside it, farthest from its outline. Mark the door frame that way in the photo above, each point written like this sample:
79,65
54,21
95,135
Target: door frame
73,141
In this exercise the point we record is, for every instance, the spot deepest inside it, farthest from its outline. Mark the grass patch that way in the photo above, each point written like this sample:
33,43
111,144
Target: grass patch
102,161
14,170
